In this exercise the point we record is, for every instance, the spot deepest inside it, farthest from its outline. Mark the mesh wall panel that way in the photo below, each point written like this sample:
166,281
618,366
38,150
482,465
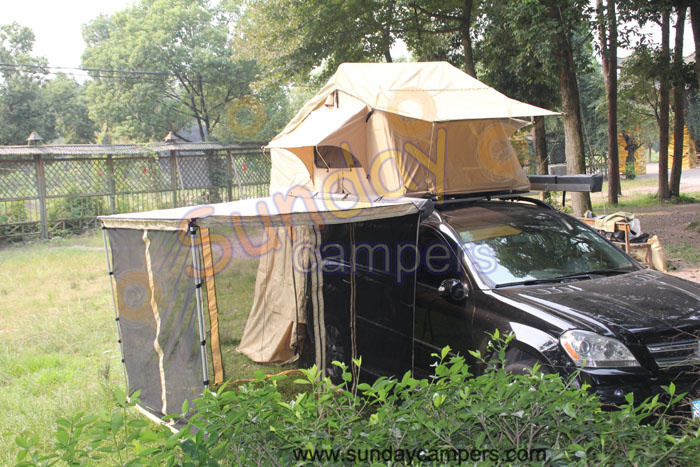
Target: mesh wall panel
384,257
157,317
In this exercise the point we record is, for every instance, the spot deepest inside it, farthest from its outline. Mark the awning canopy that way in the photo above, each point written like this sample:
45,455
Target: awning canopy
292,209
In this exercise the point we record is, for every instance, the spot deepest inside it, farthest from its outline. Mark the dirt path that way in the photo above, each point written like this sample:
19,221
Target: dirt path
670,223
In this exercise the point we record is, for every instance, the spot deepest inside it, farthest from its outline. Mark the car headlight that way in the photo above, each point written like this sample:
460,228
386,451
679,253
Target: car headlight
588,349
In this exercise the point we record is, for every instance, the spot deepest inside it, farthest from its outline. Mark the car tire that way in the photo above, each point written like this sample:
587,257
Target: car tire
520,362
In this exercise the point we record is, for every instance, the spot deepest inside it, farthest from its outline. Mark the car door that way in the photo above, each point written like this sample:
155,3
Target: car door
439,321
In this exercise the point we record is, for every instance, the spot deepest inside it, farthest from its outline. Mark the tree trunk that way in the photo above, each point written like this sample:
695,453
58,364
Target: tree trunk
664,192
386,32
678,105
609,58
540,140
571,107
695,23
467,39
631,147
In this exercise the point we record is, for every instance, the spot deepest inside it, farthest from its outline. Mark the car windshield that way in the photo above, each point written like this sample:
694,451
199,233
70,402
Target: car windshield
518,244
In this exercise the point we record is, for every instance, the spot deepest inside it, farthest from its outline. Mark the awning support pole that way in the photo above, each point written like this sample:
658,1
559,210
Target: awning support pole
198,297
114,304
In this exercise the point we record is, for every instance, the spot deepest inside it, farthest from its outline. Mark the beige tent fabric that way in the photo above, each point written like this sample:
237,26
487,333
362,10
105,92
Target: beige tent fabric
275,325
212,308
288,171
430,91
413,128
658,260
402,155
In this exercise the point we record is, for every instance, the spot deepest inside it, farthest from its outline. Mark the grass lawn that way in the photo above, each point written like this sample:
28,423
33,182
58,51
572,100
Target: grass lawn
637,193
58,343
642,200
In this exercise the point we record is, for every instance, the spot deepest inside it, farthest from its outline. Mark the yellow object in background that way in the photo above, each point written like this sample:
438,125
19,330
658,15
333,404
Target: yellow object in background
689,151
640,161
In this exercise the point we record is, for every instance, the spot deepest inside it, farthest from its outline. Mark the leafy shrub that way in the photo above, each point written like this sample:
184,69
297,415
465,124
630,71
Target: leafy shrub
12,212
75,208
540,417
630,171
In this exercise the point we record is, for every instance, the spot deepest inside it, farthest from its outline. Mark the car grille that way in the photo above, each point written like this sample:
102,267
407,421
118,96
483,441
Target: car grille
680,353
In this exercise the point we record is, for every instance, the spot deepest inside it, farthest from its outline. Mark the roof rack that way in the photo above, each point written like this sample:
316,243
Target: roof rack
580,183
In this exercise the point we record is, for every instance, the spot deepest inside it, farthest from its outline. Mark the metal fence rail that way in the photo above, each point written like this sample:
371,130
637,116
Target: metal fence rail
46,195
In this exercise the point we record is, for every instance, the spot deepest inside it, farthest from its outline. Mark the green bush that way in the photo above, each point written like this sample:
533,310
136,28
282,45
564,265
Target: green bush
453,416
13,212
630,171
75,209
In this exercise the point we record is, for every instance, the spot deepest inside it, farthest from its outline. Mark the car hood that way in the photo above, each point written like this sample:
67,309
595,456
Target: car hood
637,302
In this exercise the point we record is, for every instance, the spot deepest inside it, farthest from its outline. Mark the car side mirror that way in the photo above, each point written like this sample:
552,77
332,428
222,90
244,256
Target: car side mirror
453,290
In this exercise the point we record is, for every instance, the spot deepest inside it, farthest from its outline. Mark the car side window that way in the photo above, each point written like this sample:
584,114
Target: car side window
437,259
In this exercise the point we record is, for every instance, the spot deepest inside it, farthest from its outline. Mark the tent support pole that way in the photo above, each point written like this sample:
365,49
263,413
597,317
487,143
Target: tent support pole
198,297
413,320
114,304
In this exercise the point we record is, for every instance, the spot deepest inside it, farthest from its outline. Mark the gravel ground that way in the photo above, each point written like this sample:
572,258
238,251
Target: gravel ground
670,224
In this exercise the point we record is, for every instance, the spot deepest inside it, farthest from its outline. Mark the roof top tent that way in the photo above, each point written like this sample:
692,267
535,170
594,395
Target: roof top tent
392,129
181,277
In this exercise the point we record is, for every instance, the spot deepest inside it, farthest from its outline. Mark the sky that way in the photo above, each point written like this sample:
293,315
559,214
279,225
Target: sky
57,25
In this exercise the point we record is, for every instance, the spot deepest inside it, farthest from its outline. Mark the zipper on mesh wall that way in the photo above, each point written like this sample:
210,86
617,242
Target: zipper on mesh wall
114,304
296,297
413,304
353,315
198,296
317,304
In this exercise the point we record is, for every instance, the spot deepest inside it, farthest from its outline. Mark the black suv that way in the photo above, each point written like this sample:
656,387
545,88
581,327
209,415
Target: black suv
571,298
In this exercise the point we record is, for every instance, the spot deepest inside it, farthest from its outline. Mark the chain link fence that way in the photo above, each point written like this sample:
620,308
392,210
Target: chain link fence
50,194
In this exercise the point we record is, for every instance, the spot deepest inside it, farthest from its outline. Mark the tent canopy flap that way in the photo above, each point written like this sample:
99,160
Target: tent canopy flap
299,207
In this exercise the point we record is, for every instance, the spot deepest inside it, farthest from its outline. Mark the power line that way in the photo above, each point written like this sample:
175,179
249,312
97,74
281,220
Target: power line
126,75
98,70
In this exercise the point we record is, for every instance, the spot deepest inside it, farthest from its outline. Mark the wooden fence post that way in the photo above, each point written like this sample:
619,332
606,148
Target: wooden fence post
173,177
41,191
110,184
229,176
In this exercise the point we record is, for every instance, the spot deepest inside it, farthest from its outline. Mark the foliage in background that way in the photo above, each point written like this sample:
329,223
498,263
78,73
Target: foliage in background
30,101
294,40
538,414
68,110
186,45
508,61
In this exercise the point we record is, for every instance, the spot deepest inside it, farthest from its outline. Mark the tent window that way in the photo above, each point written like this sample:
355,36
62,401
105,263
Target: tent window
334,157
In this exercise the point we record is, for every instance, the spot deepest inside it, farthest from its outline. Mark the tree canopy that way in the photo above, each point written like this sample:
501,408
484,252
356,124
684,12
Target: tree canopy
191,73
237,70
31,101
